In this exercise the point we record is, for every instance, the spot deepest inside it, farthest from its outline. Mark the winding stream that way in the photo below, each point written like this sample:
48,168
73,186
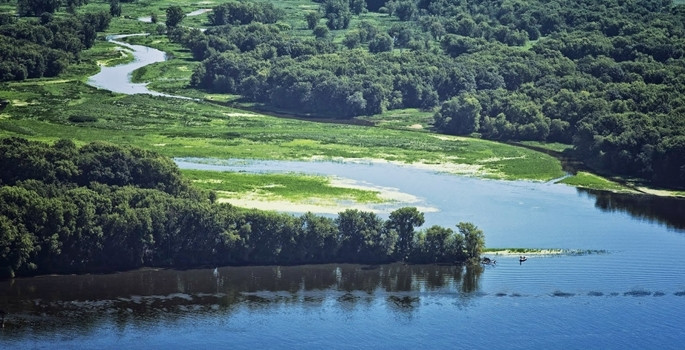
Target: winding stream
627,292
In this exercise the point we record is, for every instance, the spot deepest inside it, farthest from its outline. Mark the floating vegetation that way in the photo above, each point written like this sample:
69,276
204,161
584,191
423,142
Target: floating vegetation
559,293
543,252
348,297
637,293
403,302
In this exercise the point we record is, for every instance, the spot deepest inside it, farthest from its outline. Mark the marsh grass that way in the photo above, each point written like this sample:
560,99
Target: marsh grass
409,119
107,54
67,108
552,146
291,186
201,129
588,180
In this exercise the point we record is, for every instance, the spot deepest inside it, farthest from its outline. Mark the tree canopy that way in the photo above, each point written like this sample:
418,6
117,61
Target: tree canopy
605,77
44,47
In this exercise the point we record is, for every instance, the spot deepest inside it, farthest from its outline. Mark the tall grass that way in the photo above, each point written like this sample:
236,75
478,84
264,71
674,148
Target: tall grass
293,187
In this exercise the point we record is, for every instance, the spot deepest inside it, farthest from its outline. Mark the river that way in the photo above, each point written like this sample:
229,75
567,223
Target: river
625,289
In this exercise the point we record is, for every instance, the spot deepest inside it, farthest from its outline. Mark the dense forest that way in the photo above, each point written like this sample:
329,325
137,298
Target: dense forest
607,77
102,207
44,44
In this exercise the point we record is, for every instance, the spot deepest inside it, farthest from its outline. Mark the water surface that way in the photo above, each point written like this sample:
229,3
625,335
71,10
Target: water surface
628,292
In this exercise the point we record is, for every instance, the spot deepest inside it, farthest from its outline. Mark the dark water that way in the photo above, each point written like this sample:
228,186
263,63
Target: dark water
627,292
336,306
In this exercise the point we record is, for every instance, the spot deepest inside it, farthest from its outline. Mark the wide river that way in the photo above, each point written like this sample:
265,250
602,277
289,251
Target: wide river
626,290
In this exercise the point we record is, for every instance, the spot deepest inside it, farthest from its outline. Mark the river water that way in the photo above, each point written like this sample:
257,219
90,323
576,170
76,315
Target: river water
626,289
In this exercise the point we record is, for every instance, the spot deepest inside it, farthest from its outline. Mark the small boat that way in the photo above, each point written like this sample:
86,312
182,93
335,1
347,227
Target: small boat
488,261
522,259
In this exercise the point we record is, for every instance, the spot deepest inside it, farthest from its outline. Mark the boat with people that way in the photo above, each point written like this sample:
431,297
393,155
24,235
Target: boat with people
522,259
488,261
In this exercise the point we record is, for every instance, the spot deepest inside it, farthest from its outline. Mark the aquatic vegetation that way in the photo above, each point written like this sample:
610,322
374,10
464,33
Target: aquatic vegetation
542,252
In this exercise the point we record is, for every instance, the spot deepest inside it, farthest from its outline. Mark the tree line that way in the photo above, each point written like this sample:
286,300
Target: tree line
101,207
44,44
605,77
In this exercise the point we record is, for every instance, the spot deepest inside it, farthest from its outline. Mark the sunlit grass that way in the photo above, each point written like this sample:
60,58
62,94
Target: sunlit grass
292,186
588,180
552,146
410,118
183,128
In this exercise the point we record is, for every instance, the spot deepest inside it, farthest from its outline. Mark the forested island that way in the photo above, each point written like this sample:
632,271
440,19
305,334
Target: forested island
101,207
606,77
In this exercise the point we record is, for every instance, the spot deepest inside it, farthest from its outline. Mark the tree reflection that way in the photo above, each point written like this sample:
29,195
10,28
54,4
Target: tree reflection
665,210
471,282
151,296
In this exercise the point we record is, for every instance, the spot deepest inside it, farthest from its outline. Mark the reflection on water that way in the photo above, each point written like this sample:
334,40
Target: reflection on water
664,210
44,304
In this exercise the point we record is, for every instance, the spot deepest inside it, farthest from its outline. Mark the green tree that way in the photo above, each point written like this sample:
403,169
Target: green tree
405,10
174,16
459,116
358,6
312,19
363,238
439,245
115,8
37,7
474,240
403,221
352,39
321,32
381,43
16,247
337,14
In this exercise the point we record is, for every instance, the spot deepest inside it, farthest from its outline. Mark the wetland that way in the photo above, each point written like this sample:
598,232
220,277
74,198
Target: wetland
612,279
